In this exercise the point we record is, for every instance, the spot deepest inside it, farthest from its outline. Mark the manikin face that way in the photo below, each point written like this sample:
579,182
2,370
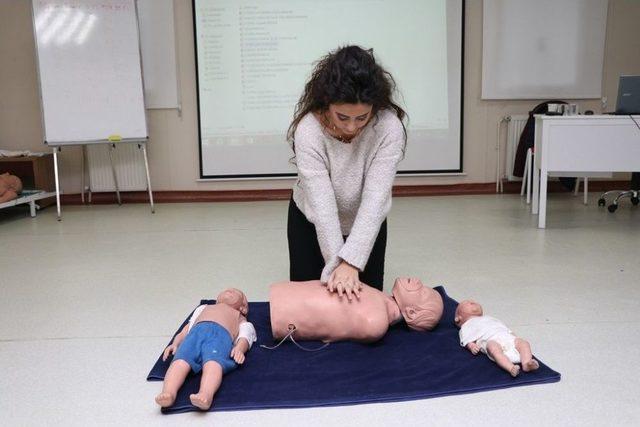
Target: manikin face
420,305
466,310
349,118
234,298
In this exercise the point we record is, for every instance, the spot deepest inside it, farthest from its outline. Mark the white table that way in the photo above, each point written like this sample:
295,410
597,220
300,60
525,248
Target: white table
582,144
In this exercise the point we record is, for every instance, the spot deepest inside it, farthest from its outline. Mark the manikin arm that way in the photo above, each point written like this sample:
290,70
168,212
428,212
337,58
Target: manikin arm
171,348
473,348
246,337
238,351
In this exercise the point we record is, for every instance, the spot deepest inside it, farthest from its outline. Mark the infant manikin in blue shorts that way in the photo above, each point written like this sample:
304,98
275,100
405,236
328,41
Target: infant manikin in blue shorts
205,342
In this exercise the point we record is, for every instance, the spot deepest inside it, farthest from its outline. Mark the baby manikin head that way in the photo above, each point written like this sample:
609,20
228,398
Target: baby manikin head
234,298
466,310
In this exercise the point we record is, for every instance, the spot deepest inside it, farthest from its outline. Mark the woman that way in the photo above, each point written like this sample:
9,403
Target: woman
347,136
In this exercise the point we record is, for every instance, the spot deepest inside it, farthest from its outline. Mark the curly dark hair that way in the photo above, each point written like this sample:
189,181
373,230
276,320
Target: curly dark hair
348,75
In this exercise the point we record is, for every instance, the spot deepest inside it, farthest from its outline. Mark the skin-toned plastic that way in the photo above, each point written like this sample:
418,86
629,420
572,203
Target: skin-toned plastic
420,305
318,314
10,187
229,311
469,309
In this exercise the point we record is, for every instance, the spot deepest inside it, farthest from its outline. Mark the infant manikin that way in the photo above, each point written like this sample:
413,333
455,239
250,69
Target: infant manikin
479,333
215,342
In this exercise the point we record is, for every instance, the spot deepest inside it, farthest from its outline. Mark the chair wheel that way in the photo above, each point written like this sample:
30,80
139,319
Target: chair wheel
602,202
635,201
612,208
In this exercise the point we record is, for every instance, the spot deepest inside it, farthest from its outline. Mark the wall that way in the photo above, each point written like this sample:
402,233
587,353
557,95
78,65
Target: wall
173,147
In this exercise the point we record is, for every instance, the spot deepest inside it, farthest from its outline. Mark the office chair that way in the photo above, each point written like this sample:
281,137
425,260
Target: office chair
633,194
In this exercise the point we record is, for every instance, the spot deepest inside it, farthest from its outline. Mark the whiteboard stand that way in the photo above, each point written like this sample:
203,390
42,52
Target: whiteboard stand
142,145
55,169
90,77
113,172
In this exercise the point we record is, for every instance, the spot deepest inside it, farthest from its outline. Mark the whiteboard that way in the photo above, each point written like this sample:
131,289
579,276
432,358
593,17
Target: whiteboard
88,60
543,49
158,41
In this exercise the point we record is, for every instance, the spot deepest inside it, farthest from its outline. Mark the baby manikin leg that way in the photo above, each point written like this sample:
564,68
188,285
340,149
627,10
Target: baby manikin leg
495,350
173,380
209,384
526,358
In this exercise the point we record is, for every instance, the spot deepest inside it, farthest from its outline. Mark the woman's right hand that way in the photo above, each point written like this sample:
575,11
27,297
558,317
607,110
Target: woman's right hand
345,280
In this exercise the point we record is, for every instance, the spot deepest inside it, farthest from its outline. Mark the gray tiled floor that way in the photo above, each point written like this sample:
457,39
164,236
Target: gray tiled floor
88,303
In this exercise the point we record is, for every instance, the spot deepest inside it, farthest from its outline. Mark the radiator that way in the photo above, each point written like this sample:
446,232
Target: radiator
128,162
515,125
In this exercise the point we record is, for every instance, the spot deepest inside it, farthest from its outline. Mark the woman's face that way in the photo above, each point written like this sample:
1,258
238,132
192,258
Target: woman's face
349,118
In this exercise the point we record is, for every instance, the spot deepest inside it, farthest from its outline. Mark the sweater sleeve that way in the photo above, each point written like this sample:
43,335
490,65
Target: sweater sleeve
321,207
376,200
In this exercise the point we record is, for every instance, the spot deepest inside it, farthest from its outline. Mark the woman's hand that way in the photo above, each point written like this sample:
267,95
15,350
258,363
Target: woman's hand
344,280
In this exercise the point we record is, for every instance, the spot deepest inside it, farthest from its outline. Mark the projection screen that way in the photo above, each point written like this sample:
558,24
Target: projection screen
254,57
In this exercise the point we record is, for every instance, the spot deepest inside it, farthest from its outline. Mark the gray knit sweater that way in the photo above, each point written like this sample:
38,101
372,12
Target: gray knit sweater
345,189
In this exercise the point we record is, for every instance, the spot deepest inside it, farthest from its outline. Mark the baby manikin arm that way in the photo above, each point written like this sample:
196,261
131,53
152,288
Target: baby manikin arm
194,316
473,347
248,332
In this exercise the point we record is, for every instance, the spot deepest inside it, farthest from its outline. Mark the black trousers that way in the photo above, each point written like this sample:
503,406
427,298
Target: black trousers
305,258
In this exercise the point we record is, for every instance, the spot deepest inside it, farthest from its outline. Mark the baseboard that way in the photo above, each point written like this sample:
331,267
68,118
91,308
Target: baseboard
285,194
556,187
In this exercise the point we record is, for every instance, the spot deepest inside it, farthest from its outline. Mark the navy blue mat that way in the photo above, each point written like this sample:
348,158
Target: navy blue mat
404,365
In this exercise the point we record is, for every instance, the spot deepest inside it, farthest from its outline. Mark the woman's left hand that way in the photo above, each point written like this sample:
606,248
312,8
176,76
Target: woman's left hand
344,280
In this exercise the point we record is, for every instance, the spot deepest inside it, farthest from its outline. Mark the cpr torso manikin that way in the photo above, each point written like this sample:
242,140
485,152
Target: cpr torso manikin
318,314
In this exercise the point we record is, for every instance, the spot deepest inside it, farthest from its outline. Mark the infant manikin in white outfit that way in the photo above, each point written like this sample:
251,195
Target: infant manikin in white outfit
486,334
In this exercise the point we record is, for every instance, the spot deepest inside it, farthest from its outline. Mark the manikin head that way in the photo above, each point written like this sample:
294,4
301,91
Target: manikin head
11,182
420,305
234,298
466,310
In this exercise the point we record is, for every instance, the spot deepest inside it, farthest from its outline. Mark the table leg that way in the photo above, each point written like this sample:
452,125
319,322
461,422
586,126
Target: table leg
82,173
542,216
586,189
536,189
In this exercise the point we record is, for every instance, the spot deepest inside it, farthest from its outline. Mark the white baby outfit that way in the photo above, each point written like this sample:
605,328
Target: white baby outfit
482,329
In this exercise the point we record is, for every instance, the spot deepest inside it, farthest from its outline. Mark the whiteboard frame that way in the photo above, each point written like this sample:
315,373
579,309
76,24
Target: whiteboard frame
94,141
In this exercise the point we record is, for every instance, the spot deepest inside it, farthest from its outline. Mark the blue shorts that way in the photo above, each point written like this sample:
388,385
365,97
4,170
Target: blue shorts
207,341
